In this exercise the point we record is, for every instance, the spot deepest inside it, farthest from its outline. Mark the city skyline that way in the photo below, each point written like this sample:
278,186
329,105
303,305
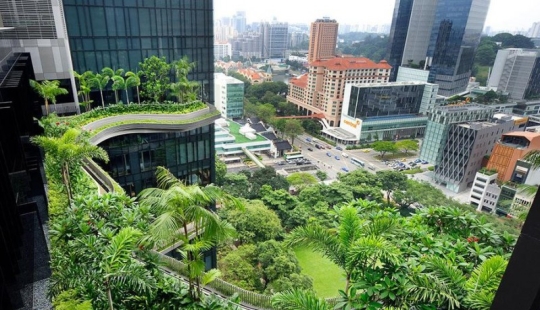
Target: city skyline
503,15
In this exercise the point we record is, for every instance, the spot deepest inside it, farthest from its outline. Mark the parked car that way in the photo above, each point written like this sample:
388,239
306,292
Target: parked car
345,169
425,162
308,139
317,146
345,155
418,160
328,154
336,157
310,149
339,148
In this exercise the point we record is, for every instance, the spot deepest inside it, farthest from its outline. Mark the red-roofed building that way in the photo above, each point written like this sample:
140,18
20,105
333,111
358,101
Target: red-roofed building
254,76
321,89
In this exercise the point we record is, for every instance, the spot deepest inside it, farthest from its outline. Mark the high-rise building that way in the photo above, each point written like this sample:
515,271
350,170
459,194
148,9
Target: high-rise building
512,147
275,39
247,45
239,22
440,119
229,99
466,146
322,39
222,50
517,72
534,32
321,90
440,36
120,34
39,28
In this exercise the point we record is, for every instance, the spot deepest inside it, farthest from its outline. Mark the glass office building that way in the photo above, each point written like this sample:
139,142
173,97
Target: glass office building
454,37
122,33
398,34
189,155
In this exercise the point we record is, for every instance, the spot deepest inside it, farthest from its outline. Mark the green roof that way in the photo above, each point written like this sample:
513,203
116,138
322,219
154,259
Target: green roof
234,129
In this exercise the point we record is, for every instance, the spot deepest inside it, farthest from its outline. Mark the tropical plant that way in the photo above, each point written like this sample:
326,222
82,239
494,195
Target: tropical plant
184,216
534,158
133,79
184,90
100,82
48,90
68,152
298,300
155,75
85,87
112,74
119,83
483,283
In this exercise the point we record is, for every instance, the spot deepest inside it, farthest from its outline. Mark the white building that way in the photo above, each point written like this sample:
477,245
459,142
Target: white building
222,50
228,96
485,192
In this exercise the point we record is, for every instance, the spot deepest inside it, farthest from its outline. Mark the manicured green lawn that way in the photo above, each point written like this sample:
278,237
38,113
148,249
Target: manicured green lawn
328,278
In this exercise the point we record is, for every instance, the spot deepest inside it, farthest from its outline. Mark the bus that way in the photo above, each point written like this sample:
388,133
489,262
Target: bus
357,162
293,155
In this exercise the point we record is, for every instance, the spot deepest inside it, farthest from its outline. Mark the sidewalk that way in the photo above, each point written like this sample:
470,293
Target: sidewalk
462,197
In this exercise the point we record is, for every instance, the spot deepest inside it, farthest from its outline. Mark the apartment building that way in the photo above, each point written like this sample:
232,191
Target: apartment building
322,39
322,89
229,96
222,50
485,191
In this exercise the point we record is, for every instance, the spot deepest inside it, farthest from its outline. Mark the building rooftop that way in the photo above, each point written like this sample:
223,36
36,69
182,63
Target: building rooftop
282,145
452,108
349,63
403,83
525,134
234,129
228,79
300,81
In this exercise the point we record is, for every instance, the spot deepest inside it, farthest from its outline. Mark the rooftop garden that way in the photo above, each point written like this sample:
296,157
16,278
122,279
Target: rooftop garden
234,129
487,171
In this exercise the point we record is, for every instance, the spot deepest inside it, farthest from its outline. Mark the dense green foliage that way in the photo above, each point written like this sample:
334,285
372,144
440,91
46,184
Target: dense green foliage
372,46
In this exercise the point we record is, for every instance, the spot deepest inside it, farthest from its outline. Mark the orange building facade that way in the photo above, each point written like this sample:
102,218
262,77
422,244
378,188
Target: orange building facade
322,39
509,149
321,90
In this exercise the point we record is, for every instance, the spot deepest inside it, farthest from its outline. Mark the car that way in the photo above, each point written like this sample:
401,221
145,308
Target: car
328,154
345,155
308,139
339,148
317,146
425,162
298,163
336,157
345,169
281,163
418,160
329,147
310,149
413,165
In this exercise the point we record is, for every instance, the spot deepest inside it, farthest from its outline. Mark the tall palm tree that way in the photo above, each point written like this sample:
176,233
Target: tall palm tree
100,82
353,245
184,89
133,79
48,90
68,151
111,74
85,87
119,83
184,216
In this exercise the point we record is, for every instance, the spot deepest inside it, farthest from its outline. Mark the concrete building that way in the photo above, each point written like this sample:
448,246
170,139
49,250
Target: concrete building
322,39
222,50
388,111
247,45
527,108
524,173
296,39
440,36
254,76
40,29
466,146
509,149
440,119
485,191
275,40
229,96
322,89
517,72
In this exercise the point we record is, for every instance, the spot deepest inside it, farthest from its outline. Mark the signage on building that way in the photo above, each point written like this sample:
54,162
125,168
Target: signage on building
352,125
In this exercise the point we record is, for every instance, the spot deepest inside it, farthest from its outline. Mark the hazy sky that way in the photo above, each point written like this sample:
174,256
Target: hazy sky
502,14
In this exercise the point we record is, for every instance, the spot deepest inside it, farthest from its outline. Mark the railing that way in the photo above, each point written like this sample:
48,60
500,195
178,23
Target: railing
249,299
101,177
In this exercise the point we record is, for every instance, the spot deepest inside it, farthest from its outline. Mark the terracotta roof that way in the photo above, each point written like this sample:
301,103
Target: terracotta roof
525,134
348,63
300,81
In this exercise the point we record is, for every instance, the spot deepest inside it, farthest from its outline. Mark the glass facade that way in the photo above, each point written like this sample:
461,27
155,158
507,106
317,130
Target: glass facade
235,100
398,34
188,155
380,101
121,33
454,37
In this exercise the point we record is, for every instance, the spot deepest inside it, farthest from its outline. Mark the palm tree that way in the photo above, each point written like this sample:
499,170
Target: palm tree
484,282
133,79
354,245
68,151
111,74
298,300
184,89
119,83
85,87
48,90
100,82
184,216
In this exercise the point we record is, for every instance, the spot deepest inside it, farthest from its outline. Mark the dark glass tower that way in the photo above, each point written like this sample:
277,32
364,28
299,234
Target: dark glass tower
398,34
454,37
121,33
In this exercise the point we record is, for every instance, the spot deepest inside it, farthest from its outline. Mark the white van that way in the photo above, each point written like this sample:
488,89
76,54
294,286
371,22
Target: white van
345,155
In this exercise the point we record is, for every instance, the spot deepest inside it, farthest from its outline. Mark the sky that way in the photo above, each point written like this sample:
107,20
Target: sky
502,15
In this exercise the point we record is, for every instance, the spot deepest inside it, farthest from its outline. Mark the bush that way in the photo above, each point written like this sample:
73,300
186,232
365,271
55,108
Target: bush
431,168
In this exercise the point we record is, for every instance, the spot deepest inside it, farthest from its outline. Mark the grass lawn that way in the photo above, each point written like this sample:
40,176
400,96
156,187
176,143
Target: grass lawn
328,278
413,170
397,155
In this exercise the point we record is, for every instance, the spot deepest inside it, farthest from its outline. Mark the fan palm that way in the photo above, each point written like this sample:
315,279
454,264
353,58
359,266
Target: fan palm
184,216
48,90
133,79
100,82
68,151
349,245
